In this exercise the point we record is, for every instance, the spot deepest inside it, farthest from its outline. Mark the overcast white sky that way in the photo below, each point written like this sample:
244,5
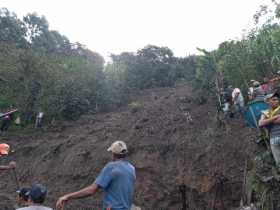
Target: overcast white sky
114,26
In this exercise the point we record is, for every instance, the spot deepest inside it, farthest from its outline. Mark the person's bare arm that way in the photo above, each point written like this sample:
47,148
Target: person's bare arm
85,192
277,119
266,121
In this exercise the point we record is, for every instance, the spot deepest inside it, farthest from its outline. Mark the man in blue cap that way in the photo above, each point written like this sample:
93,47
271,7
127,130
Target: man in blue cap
36,198
22,198
117,179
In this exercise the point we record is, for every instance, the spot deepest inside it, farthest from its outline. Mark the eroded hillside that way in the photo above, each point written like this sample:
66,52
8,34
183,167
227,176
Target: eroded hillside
173,136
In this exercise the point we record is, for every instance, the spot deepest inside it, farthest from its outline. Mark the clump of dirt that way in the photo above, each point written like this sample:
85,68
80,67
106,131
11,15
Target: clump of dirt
173,142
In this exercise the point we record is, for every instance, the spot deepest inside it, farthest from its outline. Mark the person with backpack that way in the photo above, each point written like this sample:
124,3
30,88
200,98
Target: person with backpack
117,179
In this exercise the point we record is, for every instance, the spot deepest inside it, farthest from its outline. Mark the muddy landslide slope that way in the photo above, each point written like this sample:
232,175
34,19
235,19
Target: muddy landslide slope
173,136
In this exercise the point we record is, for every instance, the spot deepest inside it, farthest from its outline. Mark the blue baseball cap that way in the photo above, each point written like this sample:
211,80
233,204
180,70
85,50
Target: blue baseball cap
37,193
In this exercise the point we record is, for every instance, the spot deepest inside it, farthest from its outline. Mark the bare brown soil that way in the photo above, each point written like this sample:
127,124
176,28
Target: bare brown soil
173,139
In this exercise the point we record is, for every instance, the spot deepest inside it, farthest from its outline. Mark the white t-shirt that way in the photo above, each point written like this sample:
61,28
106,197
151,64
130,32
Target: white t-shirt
239,99
35,208
41,114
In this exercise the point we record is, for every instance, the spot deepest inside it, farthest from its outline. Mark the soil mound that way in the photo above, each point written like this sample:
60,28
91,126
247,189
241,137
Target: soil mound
175,140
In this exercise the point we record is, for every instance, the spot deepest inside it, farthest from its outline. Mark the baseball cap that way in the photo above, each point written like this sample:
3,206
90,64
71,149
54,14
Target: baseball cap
271,96
22,193
118,147
4,149
256,84
37,193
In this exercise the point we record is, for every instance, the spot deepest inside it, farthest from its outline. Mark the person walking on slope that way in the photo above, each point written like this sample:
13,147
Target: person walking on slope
4,150
117,179
271,120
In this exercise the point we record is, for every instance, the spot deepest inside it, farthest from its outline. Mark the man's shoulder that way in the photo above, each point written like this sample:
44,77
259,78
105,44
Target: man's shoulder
110,164
130,164
118,163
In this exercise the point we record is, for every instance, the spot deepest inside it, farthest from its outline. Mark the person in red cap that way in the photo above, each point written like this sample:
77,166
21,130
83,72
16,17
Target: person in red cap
4,150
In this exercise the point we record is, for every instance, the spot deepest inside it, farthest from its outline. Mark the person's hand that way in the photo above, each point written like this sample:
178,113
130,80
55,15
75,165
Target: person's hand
109,208
276,117
60,202
12,165
277,120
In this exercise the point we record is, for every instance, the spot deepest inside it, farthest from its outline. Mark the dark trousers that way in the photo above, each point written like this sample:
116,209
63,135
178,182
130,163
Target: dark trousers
5,124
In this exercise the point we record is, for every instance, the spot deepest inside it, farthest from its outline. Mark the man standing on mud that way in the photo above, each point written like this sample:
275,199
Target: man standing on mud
117,179
271,120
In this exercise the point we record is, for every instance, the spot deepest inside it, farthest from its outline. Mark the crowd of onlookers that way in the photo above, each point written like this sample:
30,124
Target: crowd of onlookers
266,118
232,99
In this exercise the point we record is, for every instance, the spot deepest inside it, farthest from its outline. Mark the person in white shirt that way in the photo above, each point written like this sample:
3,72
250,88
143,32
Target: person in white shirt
238,100
39,118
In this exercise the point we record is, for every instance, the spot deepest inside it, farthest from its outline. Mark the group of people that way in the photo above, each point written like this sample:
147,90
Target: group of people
116,179
7,118
270,119
232,99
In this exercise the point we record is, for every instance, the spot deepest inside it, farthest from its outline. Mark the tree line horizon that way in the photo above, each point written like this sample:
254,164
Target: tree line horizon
40,69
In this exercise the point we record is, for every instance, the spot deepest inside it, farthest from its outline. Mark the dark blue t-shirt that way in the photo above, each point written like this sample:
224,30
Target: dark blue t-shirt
117,179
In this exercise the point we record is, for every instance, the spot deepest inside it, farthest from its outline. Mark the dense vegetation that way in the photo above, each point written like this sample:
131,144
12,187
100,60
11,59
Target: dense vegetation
40,69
